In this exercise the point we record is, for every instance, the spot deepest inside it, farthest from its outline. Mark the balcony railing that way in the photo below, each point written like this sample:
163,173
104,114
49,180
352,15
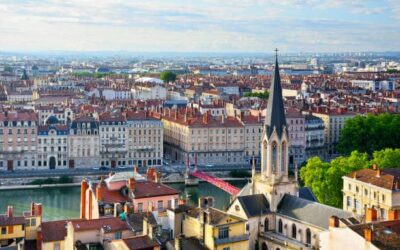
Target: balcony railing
231,239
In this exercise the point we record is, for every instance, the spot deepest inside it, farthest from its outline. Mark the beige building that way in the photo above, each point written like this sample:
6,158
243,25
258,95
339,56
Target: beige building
203,139
334,121
144,139
83,143
372,188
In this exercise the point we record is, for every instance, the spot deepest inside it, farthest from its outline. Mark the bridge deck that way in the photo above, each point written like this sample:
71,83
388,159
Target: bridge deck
216,182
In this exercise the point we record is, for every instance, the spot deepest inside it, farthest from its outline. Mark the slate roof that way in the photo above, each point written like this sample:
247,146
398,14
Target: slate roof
310,212
307,193
275,110
254,205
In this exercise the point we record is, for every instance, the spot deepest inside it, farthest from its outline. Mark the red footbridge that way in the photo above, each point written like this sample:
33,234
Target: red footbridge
232,190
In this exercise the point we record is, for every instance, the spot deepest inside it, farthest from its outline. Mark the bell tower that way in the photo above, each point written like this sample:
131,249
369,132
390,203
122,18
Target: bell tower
274,144
274,180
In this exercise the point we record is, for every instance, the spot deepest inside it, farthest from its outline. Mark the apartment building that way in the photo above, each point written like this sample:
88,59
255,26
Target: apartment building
296,132
314,135
192,138
334,120
52,147
84,143
372,188
113,146
18,140
144,139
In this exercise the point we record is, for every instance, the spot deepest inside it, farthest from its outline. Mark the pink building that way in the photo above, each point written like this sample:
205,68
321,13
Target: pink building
123,192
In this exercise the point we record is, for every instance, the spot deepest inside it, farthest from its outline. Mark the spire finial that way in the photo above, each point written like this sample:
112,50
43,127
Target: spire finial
276,52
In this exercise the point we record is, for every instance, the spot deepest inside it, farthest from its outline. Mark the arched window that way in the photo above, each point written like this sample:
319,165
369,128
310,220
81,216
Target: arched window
283,161
294,231
274,156
264,246
266,224
308,236
280,226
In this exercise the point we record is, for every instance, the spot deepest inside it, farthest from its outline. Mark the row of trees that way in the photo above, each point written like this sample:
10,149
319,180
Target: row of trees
370,133
325,178
261,95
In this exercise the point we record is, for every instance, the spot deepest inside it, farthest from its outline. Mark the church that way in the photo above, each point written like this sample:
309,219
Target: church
280,214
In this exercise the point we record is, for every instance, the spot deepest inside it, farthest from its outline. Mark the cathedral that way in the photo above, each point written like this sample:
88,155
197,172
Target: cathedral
280,215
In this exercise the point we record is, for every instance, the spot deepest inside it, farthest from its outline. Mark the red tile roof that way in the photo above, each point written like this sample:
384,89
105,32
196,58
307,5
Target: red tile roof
109,224
9,221
54,230
388,178
140,242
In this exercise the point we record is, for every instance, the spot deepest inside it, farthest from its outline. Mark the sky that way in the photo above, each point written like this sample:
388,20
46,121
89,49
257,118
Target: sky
200,25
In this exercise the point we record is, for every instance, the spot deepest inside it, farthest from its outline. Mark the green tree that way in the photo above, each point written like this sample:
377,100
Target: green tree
262,95
168,76
387,158
370,133
325,178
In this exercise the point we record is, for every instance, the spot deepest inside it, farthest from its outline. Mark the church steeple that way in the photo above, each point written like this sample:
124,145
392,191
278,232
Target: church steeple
275,117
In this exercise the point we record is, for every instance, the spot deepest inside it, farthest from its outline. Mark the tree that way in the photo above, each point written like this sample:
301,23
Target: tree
325,178
370,133
168,76
387,158
264,95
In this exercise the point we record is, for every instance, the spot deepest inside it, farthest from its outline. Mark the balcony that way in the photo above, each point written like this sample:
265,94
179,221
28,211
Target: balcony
231,239
289,243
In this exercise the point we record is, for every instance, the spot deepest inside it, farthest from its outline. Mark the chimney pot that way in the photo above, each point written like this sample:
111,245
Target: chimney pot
10,211
333,221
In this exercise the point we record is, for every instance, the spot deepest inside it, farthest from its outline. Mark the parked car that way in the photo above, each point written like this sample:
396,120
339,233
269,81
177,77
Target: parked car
103,168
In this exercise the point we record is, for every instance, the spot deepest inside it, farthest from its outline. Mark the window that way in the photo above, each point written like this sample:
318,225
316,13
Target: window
4,230
308,236
223,233
294,231
140,207
160,205
280,226
226,248
118,235
33,222
348,201
266,224
365,192
57,246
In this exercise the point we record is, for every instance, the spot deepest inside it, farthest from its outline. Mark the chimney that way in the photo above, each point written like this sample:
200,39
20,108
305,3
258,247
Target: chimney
393,214
131,184
157,177
135,169
10,211
205,118
99,193
259,116
36,209
333,221
181,202
126,208
222,119
84,186
371,215
378,172
368,234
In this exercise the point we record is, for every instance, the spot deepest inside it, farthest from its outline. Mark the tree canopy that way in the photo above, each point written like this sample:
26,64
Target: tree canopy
168,76
370,133
261,95
325,178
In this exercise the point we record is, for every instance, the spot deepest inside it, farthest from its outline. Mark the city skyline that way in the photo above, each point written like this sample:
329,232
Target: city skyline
203,26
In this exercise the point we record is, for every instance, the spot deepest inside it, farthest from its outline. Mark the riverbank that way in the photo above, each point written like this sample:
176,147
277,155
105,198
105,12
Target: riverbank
76,184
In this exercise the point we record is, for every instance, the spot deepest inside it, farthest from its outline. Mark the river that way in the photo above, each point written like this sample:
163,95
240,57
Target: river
63,202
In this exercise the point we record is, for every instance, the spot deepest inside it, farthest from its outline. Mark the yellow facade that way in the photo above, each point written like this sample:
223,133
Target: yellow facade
228,232
53,245
12,232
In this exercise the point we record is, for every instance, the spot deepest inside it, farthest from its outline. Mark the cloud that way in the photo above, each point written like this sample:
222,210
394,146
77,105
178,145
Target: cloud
203,25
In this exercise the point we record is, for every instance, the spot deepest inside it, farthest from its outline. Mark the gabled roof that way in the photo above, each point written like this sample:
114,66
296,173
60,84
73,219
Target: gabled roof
254,205
275,117
310,212
54,230
387,178
140,243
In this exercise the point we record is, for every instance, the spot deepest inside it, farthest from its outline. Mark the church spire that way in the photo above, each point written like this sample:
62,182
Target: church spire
275,117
